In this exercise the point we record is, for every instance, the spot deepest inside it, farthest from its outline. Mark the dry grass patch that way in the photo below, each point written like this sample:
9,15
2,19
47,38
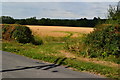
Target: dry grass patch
54,31
94,60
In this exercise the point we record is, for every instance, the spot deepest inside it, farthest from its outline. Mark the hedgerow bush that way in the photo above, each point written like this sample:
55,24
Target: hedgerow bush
20,33
7,31
104,41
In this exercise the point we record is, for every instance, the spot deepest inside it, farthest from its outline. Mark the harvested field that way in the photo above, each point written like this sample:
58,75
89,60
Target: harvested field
58,31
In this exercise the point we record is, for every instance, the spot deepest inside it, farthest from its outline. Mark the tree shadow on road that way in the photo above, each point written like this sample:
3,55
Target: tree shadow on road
46,67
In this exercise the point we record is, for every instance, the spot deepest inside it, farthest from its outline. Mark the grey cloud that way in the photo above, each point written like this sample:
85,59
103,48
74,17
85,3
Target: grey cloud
56,10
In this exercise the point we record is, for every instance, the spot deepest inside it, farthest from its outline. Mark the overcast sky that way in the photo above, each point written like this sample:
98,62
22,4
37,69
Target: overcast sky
59,0
69,10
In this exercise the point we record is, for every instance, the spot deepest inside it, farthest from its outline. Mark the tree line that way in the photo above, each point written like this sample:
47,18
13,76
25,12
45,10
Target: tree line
83,22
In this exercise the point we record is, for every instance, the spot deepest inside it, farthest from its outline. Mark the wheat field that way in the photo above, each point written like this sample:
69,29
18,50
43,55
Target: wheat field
58,31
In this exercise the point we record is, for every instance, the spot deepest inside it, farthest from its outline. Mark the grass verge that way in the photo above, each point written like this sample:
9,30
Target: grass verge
50,52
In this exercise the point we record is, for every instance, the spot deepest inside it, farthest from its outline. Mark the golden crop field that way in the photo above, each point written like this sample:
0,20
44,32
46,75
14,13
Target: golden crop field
58,31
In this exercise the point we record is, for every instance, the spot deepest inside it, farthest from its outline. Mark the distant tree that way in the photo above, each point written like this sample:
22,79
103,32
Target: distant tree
83,22
31,21
22,22
42,21
7,20
95,18
85,18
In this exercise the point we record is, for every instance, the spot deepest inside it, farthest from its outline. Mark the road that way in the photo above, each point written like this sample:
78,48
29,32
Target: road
16,66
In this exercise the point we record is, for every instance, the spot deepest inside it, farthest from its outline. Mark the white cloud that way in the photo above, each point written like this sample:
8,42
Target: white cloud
56,9
59,14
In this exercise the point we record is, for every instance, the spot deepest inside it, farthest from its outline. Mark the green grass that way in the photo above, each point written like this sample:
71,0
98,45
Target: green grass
50,52
33,51
69,33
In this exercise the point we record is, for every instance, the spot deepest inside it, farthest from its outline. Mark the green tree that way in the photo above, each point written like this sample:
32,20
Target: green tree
7,20
31,21
114,14
22,22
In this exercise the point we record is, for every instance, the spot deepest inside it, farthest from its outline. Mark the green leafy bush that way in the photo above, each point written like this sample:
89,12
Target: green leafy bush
22,34
37,40
104,41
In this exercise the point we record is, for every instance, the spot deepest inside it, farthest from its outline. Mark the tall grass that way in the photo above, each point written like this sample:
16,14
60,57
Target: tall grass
50,52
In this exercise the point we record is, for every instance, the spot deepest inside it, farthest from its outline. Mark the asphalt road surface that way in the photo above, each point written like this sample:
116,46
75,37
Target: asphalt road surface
16,66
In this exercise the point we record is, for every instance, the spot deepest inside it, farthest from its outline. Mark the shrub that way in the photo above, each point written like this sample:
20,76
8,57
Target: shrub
7,31
37,40
104,41
22,34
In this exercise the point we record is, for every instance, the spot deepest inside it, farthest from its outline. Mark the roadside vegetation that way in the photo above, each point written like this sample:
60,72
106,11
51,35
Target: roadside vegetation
102,43
19,33
97,51
53,48
50,52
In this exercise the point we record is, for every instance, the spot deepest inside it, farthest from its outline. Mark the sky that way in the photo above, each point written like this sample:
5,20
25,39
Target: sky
56,10
59,0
